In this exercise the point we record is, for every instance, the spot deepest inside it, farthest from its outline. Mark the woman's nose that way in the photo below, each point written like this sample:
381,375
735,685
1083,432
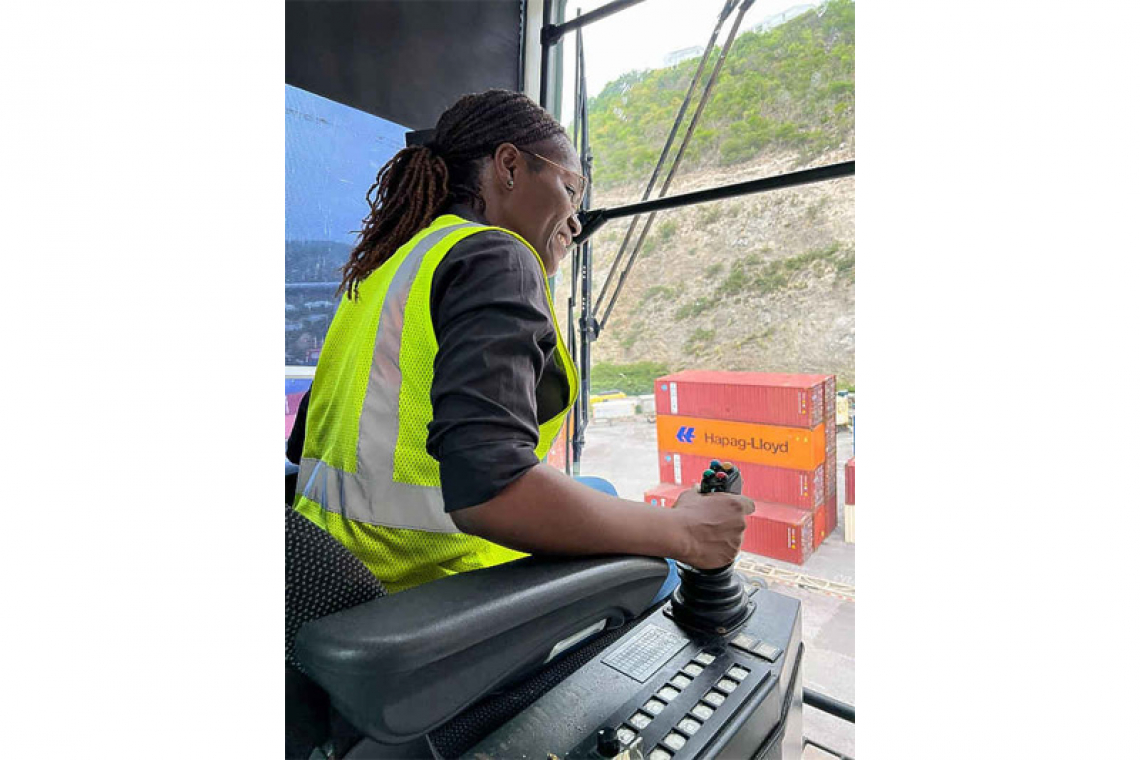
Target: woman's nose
575,225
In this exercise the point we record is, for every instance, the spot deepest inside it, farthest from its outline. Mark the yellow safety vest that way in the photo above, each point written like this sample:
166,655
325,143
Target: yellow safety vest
366,476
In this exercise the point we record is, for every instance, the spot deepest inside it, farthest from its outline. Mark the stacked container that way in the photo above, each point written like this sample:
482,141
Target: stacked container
664,495
849,502
779,429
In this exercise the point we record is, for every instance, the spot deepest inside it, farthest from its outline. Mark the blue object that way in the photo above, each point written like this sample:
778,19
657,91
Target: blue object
671,582
598,484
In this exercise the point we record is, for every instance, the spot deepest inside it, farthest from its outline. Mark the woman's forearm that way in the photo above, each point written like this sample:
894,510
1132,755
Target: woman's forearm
546,512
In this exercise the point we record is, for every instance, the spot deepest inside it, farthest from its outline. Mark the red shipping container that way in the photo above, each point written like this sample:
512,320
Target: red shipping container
849,480
779,532
664,495
761,397
819,527
798,488
830,474
831,513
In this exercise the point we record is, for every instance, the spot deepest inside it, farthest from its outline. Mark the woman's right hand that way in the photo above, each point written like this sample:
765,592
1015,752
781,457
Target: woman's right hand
712,527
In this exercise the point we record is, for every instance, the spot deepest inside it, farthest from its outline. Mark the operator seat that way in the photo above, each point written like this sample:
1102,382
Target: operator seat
327,586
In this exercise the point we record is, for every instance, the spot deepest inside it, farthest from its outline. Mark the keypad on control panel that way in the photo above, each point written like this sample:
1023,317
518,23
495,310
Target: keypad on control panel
689,724
703,711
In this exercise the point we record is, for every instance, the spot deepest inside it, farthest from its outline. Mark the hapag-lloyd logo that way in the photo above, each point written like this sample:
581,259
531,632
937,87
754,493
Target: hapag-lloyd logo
685,434
752,442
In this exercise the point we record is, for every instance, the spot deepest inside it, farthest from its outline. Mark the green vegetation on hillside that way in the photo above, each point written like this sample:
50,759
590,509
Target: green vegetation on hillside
748,275
791,88
752,276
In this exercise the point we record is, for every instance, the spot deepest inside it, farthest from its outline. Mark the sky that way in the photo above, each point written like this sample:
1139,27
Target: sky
641,36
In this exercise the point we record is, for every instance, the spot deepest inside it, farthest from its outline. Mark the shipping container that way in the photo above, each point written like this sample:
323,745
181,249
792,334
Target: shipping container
664,495
825,518
819,527
773,445
831,513
780,532
766,398
614,408
849,480
648,404
798,488
843,409
830,473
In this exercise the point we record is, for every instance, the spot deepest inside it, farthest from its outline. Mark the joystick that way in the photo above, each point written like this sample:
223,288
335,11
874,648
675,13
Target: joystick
712,601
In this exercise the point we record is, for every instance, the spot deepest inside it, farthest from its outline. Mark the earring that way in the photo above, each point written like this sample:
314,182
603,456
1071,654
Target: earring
510,183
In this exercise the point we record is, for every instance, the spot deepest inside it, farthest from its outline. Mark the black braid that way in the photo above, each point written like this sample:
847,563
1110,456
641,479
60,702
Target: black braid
412,188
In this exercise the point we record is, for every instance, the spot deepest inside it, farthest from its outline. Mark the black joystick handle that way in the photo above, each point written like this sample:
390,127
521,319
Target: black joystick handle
721,477
712,601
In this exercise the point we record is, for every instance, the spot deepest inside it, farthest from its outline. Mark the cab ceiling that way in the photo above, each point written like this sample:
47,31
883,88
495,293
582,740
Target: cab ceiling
403,60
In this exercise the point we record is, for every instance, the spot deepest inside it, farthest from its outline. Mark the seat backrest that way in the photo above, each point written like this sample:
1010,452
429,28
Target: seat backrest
321,577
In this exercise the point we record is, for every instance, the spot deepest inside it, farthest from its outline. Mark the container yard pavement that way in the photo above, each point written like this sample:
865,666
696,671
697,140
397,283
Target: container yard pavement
624,451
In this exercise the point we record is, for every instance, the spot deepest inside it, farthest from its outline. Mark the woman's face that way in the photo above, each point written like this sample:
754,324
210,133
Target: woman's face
537,198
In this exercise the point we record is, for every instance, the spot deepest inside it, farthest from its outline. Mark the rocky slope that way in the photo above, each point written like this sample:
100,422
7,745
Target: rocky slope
760,283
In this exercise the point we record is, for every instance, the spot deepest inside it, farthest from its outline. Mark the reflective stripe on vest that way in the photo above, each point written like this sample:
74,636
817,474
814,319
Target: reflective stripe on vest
373,469
403,505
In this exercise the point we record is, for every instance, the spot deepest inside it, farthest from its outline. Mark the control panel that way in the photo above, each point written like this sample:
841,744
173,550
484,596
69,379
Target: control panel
715,672
669,694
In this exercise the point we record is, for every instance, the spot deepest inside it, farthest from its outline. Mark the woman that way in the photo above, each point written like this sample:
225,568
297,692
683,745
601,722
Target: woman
444,379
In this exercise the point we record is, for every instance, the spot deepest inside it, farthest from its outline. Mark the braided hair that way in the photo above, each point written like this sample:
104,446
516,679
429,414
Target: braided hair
419,181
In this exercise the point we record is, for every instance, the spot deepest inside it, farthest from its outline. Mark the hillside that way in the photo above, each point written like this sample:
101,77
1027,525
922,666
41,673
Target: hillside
763,282
788,89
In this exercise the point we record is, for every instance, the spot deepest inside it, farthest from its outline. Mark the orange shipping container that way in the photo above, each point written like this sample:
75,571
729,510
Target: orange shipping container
775,445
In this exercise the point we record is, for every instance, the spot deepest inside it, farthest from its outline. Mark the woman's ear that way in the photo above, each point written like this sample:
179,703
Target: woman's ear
505,161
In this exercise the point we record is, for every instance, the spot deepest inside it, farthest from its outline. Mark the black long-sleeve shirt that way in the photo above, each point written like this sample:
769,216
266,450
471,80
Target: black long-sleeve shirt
496,375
